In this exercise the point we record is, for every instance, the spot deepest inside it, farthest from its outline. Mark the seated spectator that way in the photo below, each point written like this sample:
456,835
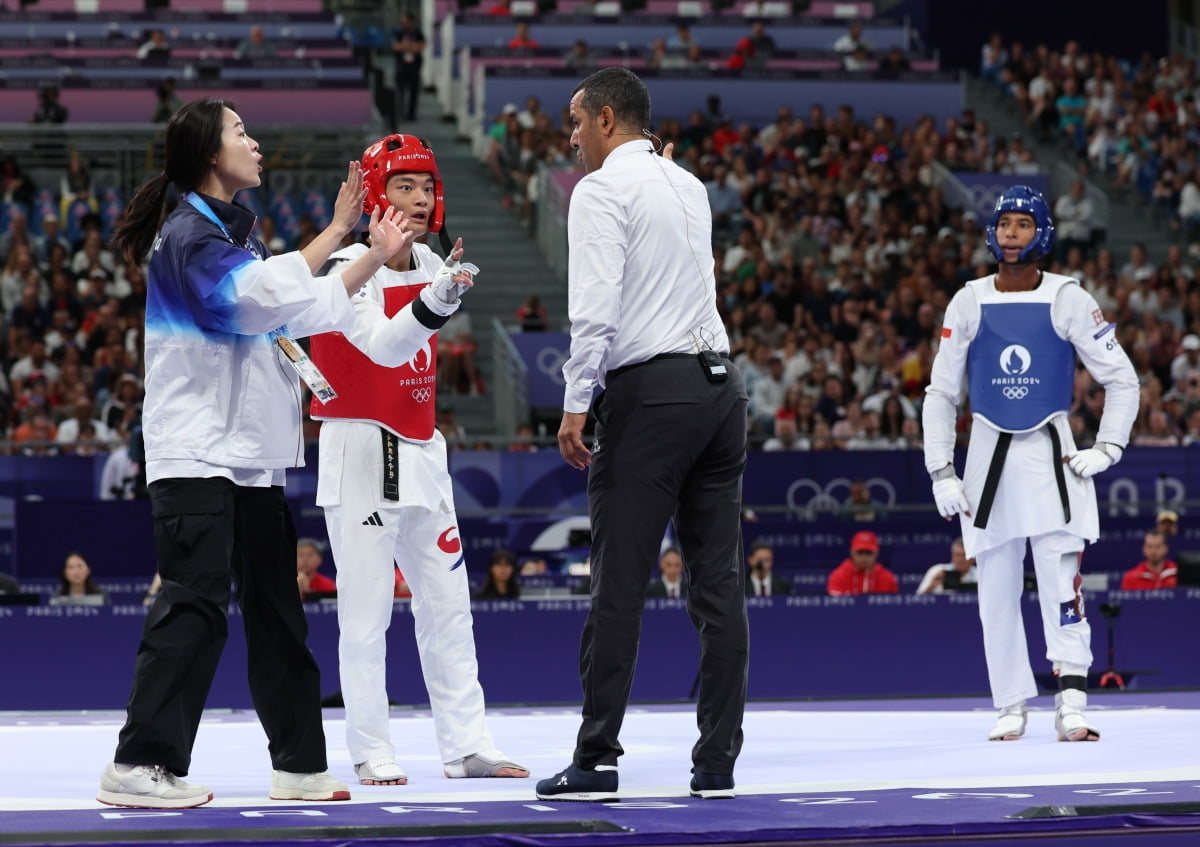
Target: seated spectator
767,395
124,407
672,580
522,40
579,57
857,60
75,585
762,45
255,46
894,61
762,582
1158,432
956,575
121,477
310,553
155,47
862,573
84,413
1154,571
851,40
532,315
1167,522
49,109
533,566
786,437
502,582
860,505
524,440
36,433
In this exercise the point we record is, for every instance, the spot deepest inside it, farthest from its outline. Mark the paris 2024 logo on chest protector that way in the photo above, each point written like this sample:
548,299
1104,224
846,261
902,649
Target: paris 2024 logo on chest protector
1015,361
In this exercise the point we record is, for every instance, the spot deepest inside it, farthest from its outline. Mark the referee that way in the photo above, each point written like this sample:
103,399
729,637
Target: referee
670,439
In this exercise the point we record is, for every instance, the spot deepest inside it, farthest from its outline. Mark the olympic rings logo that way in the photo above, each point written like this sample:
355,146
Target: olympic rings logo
422,395
1015,392
550,361
830,497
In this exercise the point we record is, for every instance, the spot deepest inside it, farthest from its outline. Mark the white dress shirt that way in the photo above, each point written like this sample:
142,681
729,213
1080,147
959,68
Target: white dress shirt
640,269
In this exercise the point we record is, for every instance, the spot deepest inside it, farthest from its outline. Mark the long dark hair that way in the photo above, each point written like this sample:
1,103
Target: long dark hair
193,141
64,585
491,588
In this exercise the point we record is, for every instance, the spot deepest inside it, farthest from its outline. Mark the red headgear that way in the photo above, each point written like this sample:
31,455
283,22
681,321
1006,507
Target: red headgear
400,154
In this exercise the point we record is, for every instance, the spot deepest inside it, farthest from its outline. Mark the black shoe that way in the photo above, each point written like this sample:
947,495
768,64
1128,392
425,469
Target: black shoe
712,786
578,784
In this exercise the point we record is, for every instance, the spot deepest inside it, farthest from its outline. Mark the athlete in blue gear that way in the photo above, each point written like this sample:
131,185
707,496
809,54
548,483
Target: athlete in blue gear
1012,340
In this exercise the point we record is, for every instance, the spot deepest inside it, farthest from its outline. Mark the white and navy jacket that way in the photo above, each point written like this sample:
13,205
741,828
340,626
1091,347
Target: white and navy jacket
219,393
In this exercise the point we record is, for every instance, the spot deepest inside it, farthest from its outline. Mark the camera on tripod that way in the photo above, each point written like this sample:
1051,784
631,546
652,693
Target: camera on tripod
1110,610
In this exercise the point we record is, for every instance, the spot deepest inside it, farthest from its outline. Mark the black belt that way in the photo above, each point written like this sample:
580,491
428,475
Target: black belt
997,464
1060,476
992,482
659,358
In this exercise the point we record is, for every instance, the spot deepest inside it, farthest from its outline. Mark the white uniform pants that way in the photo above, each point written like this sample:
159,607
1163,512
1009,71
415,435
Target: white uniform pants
1068,633
417,539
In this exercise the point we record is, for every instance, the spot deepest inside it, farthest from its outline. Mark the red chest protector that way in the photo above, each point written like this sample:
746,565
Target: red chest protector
400,399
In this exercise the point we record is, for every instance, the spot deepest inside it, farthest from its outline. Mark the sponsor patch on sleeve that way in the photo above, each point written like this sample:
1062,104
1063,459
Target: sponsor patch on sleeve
1105,331
945,332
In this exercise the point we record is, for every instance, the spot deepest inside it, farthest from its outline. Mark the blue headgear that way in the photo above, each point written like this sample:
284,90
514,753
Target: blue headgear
1023,200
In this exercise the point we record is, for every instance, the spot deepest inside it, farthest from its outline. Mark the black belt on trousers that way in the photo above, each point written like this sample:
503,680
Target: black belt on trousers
993,480
1060,476
660,357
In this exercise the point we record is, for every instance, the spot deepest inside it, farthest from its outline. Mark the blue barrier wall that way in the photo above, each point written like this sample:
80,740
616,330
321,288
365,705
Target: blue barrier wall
509,499
746,96
639,32
801,647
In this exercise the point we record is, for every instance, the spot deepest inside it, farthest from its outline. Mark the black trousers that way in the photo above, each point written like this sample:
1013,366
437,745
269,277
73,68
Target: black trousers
669,445
208,532
408,90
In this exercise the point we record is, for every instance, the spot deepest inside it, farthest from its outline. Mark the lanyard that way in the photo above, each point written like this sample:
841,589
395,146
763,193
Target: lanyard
201,205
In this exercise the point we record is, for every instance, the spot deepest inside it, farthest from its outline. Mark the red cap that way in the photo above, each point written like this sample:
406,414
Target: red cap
864,541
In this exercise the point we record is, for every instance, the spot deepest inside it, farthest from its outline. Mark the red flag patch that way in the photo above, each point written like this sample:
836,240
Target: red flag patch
945,332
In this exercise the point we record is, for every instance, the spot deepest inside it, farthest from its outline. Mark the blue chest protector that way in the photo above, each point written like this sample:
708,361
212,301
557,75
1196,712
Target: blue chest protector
1019,371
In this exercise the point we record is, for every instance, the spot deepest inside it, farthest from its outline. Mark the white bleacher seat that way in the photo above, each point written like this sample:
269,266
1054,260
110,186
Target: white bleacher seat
235,7
608,7
773,9
87,6
523,7
691,8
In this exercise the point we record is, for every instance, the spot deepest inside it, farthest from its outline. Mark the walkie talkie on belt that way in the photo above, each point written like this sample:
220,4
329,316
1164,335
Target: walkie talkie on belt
713,366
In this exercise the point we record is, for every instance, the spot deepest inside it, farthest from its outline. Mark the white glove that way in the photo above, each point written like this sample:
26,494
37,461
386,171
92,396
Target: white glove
1087,463
444,286
950,496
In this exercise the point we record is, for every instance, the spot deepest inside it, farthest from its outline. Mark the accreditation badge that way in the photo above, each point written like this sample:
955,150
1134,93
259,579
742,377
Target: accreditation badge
304,366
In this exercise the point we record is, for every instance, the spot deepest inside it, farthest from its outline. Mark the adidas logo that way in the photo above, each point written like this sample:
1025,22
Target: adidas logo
373,520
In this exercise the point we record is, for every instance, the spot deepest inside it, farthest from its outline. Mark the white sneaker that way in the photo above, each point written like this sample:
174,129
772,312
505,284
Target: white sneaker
1011,724
307,786
1069,720
490,763
380,772
149,787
